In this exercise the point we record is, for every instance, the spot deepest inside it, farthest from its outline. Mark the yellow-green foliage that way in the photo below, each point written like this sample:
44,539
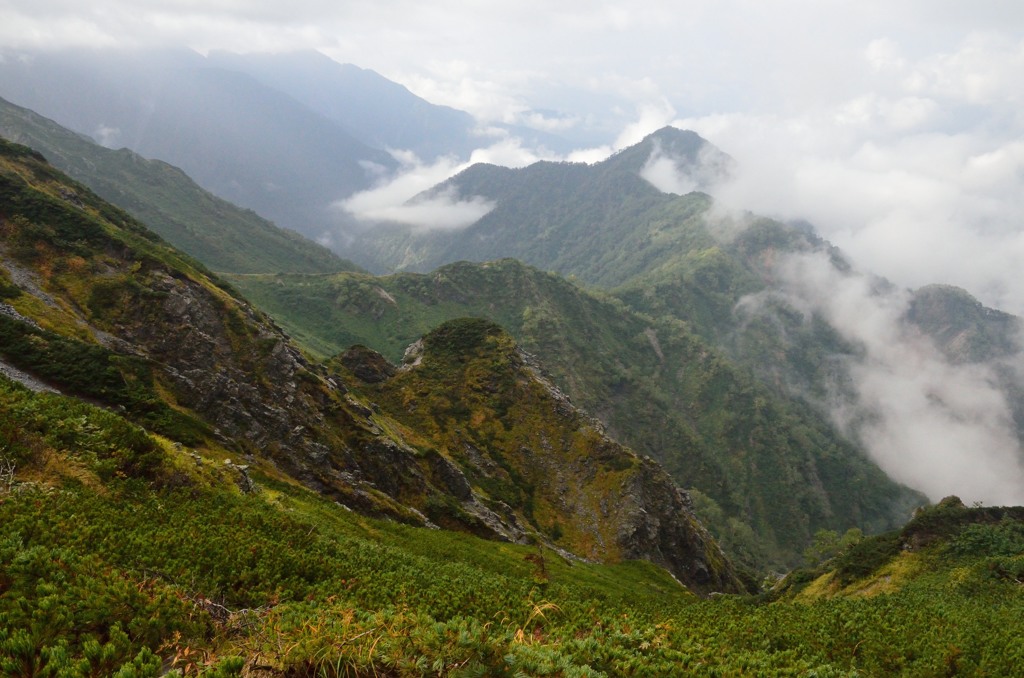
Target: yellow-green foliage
63,231
472,398
889,578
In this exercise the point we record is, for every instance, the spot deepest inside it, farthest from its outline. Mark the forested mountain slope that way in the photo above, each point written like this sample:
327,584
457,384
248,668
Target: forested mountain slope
770,472
242,140
773,297
222,236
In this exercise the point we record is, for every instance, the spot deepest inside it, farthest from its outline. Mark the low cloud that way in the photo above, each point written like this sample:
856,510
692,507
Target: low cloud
662,172
683,175
921,180
648,117
468,87
941,428
392,201
442,211
509,151
107,136
590,155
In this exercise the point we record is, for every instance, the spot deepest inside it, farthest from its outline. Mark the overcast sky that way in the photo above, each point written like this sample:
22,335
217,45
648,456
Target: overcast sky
896,127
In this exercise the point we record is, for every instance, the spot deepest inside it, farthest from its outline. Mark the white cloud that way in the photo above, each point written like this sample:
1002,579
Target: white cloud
547,123
590,155
884,54
465,86
107,136
663,173
981,72
920,186
441,212
650,117
391,201
940,428
20,30
509,152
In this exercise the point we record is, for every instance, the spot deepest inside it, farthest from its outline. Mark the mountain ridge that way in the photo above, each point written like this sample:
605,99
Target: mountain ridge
572,218
224,237
757,289
105,309
652,382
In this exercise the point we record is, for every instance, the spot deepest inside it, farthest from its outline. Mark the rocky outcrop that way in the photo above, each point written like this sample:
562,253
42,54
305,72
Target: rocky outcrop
657,523
505,439
367,365
223,361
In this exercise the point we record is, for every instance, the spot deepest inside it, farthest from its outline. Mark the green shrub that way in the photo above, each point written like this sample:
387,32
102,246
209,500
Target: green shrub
96,372
1005,538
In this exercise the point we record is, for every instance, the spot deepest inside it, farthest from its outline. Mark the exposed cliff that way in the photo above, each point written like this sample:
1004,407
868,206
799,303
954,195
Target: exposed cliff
474,398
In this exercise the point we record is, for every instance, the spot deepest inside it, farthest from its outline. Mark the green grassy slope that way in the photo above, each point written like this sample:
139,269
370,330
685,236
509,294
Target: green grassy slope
221,235
116,543
124,555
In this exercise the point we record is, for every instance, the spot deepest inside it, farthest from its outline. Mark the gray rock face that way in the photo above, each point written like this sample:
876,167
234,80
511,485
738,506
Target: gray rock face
23,378
367,365
290,410
658,524
235,369
190,337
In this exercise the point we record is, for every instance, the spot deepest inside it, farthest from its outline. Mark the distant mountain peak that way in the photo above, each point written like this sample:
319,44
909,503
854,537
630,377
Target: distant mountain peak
675,160
671,134
963,328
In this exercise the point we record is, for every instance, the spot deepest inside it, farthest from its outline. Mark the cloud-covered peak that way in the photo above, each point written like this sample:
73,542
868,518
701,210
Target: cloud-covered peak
675,160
